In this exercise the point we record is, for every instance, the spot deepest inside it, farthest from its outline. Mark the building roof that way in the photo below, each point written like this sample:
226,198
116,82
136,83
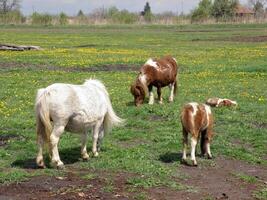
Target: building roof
243,10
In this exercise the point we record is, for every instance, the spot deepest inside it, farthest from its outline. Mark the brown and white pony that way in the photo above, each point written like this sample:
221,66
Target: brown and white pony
197,120
155,72
218,102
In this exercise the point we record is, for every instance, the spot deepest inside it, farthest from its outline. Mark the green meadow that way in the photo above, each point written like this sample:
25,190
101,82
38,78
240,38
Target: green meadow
228,61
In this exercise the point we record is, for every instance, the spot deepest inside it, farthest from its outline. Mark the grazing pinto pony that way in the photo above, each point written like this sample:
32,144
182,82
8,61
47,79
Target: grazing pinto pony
155,72
218,102
74,108
197,120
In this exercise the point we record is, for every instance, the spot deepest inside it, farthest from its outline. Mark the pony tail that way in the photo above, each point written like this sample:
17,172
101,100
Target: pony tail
111,119
43,124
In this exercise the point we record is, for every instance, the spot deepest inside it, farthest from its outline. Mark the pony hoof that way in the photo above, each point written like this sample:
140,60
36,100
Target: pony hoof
85,157
209,157
96,154
57,164
194,163
41,166
61,167
183,161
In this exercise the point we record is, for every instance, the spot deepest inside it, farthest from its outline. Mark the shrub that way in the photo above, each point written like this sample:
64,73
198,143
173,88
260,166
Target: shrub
224,9
203,11
41,19
12,17
63,19
122,17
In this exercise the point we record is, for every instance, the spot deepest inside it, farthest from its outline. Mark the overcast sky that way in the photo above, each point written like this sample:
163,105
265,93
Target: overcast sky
71,7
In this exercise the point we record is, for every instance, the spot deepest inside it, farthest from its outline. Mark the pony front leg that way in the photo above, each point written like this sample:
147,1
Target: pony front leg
151,95
159,95
171,86
54,138
84,139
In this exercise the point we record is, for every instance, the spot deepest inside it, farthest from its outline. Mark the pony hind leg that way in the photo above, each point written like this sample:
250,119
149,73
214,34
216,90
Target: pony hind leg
185,143
54,139
96,133
193,150
151,95
203,142
84,139
100,138
40,159
159,95
171,86
208,140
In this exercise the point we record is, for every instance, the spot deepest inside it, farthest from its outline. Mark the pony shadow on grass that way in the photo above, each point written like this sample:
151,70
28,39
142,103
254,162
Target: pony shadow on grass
130,104
68,156
170,157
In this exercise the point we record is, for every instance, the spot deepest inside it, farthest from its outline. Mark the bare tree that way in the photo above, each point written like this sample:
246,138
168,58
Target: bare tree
255,2
258,6
9,5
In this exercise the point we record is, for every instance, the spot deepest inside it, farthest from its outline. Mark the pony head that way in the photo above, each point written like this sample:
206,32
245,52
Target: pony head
139,93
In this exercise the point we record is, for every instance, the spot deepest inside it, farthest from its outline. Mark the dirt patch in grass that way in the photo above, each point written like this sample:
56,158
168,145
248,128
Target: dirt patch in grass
212,179
239,143
160,193
108,68
157,118
262,38
217,181
70,186
128,144
259,125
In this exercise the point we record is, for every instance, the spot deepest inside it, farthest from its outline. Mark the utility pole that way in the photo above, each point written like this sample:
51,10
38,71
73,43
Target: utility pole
182,7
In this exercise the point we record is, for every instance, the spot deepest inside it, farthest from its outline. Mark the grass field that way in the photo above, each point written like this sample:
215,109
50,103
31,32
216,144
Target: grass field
215,60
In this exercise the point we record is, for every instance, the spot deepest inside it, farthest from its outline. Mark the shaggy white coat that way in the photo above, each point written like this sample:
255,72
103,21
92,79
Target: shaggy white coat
74,108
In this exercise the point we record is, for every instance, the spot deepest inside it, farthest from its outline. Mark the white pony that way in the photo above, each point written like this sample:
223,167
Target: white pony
74,108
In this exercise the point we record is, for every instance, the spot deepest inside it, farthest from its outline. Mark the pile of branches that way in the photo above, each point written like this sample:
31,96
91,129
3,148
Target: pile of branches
9,47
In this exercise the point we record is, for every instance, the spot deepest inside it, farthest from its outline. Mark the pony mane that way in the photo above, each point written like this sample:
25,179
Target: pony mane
141,81
96,83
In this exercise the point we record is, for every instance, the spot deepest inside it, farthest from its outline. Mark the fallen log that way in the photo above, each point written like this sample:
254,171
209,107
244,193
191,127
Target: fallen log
10,47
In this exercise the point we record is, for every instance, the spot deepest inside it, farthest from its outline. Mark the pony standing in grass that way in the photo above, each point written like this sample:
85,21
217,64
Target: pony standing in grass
158,73
74,108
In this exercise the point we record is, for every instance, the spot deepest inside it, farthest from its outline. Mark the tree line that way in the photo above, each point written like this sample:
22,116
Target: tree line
207,9
224,9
